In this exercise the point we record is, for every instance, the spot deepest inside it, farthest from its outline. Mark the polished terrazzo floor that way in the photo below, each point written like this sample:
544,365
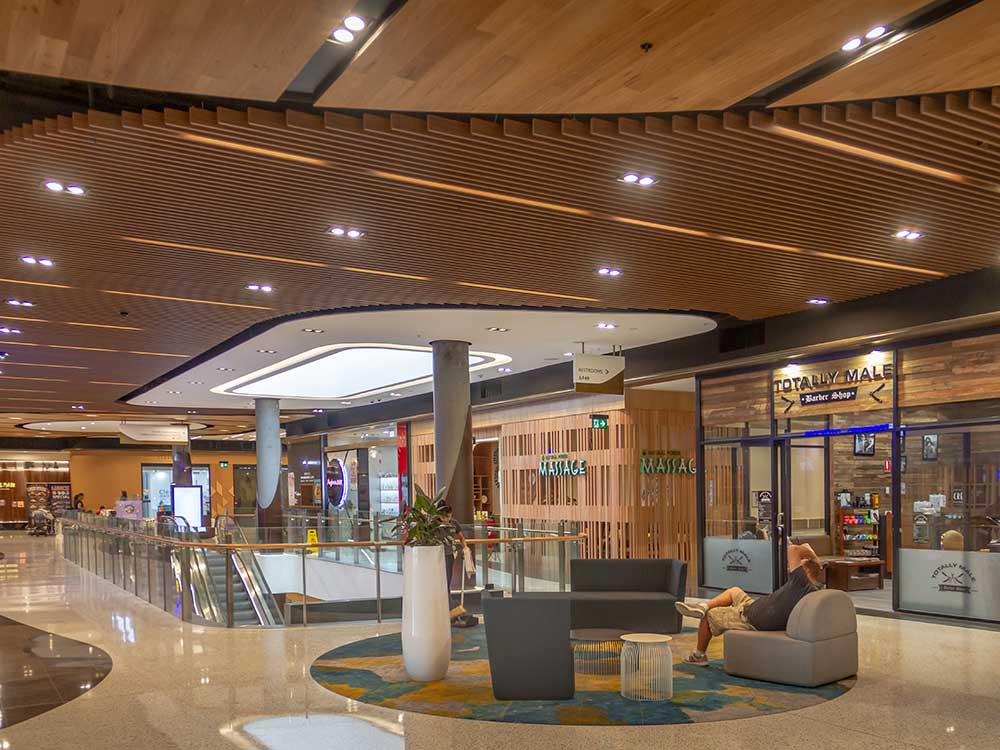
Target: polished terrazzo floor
40,671
183,686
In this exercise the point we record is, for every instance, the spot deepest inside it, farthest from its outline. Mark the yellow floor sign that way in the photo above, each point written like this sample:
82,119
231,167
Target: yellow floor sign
312,538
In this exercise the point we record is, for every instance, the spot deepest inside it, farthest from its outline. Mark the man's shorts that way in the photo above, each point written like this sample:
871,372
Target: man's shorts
721,619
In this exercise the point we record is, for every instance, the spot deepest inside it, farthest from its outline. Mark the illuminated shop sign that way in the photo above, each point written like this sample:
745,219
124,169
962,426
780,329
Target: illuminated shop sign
665,462
337,481
853,384
562,466
813,381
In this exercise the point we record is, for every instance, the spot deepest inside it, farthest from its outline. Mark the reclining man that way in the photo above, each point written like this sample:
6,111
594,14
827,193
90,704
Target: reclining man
734,609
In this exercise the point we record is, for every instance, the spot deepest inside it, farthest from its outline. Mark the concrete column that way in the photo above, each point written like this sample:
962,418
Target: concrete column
453,426
268,461
181,464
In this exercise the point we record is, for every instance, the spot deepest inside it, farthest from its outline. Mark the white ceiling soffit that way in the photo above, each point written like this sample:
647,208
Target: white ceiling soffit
339,360
99,426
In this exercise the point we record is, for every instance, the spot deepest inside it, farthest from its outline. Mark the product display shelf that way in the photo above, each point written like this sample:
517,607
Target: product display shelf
859,531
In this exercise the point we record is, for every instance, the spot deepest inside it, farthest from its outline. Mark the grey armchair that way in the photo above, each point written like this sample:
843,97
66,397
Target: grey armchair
529,648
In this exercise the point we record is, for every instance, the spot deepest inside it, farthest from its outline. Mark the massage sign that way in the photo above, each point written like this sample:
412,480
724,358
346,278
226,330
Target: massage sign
857,384
562,466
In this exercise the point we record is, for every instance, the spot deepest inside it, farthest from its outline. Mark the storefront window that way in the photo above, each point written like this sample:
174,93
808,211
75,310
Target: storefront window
739,508
950,545
158,478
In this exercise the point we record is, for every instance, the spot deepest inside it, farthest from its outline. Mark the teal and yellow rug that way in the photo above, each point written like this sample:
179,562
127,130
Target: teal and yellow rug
371,671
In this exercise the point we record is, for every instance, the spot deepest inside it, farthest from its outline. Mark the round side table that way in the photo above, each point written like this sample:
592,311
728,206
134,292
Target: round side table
647,667
597,650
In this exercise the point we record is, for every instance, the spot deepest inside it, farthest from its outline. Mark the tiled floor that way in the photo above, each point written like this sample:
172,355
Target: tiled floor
181,686
40,671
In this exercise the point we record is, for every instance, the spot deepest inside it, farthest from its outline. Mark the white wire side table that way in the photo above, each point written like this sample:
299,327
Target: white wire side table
597,650
647,667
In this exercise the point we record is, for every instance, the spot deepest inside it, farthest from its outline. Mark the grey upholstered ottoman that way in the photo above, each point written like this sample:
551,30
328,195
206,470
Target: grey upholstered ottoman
819,645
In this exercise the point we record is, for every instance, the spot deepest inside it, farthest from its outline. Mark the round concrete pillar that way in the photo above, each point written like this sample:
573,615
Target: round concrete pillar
268,461
453,426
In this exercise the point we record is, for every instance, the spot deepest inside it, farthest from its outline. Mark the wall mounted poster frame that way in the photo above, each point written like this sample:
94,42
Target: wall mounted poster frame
864,444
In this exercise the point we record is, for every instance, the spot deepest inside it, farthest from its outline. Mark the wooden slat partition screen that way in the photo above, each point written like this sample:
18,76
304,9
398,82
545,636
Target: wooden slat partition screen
624,513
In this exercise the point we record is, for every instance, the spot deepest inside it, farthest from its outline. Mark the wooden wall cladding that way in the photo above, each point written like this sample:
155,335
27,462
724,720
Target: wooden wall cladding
14,480
736,398
959,370
625,514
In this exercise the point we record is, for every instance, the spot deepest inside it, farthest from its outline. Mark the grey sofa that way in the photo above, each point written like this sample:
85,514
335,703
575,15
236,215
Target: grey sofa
636,595
529,649
819,644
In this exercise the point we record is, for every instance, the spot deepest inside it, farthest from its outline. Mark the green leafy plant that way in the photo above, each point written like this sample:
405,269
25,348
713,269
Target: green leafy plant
425,523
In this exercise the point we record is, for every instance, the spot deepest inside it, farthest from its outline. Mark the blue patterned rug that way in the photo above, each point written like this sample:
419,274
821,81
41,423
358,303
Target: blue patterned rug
371,671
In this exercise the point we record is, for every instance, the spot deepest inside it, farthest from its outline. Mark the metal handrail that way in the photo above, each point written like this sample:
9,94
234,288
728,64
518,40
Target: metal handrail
321,545
235,555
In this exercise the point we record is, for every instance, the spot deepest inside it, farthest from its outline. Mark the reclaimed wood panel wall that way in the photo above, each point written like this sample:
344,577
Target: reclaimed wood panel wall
959,370
730,399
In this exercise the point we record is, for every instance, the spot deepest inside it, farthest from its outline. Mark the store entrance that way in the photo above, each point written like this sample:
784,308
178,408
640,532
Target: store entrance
834,493
803,513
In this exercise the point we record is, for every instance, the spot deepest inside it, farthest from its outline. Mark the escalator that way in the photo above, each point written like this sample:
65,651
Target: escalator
252,600
243,609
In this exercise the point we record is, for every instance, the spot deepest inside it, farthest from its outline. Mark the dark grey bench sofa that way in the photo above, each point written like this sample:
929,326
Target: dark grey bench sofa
636,595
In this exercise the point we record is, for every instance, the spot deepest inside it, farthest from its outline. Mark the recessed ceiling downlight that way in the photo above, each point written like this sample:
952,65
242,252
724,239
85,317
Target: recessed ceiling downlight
354,23
344,36
851,44
875,32
54,185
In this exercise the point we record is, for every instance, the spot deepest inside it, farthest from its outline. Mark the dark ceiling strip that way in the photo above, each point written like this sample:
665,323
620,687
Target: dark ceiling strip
331,60
900,29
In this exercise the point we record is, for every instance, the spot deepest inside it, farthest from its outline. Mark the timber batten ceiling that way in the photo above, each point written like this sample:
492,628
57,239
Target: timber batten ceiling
754,214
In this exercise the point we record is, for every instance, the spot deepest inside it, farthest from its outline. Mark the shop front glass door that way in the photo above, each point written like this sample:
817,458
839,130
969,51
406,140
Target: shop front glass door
158,478
949,556
803,517
739,516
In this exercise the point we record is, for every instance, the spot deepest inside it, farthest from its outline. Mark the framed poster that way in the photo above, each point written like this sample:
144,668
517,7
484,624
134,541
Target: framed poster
930,443
864,444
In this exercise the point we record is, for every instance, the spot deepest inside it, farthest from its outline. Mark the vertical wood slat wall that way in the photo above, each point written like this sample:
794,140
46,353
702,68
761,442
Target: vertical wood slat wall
622,512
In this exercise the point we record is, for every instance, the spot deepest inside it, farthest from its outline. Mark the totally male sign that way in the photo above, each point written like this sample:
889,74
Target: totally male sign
856,384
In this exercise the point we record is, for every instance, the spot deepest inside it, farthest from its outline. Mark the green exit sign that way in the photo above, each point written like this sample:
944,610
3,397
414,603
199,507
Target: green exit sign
599,421
223,464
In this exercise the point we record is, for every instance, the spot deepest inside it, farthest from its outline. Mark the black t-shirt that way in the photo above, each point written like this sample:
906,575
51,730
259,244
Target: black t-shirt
771,612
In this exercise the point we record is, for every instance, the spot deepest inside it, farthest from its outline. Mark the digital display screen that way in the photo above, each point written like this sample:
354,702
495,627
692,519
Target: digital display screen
186,502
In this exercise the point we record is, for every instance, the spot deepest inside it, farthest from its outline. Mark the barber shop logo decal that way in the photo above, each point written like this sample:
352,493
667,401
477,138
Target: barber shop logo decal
954,576
736,561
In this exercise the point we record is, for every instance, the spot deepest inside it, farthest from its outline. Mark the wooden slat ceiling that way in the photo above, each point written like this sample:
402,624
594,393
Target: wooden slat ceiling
960,52
585,56
754,214
250,49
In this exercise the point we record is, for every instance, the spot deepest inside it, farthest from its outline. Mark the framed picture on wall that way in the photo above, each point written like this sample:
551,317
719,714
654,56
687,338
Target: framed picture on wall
930,447
902,463
864,444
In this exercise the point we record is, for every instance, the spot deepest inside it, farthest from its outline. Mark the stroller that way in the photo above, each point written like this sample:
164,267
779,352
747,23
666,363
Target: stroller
43,523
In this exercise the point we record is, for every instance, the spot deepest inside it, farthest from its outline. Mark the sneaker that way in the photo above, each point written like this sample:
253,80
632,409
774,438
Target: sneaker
697,611
695,659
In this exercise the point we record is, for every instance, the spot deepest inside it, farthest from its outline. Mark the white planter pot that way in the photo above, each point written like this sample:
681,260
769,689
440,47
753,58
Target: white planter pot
426,624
